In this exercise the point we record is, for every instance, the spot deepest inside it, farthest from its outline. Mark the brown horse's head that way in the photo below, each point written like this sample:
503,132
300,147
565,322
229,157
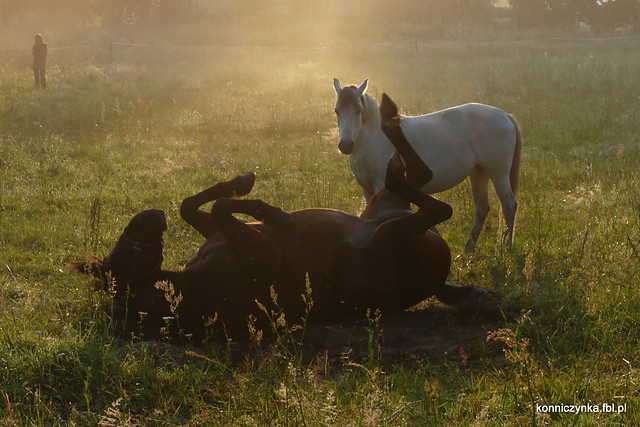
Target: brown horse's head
137,254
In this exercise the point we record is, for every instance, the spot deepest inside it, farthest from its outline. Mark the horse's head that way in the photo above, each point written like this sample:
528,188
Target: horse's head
137,254
349,108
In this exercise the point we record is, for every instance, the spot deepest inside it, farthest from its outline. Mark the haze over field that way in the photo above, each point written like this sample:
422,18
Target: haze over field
151,101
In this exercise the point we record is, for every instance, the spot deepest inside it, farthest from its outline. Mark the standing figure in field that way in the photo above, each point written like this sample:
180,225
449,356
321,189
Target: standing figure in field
39,52
472,140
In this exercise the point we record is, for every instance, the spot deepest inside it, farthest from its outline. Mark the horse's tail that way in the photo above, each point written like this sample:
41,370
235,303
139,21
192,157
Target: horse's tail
517,155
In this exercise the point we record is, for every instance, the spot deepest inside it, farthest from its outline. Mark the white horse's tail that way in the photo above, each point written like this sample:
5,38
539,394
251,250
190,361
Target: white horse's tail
517,155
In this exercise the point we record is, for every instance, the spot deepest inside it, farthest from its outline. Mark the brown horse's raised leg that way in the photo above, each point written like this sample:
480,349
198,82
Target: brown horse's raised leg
418,173
432,211
243,239
404,265
258,209
392,245
202,221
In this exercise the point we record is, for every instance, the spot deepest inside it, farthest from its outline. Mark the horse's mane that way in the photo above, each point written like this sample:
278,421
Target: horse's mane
371,111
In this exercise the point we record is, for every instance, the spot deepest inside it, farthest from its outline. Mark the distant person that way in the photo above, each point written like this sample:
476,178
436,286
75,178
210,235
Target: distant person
39,52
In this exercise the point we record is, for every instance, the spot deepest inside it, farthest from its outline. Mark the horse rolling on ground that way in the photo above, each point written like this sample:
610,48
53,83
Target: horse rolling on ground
387,260
471,140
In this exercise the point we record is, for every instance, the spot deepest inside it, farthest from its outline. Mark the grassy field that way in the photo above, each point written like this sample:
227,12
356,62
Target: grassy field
124,130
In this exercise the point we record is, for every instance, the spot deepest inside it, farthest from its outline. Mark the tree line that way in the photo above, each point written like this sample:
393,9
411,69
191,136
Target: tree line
601,15
598,14
97,13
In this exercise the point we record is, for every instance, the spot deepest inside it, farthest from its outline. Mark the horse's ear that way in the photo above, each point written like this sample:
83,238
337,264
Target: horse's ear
363,87
337,86
388,109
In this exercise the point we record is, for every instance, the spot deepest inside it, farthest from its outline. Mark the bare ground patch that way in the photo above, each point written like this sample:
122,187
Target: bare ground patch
429,331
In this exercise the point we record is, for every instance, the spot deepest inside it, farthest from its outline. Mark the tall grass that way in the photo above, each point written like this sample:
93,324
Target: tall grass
144,128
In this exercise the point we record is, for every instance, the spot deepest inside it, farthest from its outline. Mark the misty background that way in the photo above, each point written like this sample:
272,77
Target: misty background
82,19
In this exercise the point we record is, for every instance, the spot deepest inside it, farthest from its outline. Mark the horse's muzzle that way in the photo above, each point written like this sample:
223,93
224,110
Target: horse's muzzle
346,146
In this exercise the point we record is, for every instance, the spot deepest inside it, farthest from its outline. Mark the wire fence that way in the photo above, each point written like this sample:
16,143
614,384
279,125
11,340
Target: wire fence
113,44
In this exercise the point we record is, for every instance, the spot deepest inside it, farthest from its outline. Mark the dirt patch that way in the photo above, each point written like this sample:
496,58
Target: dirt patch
428,331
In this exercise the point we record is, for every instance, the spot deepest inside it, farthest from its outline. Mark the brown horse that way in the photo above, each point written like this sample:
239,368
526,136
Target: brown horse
387,259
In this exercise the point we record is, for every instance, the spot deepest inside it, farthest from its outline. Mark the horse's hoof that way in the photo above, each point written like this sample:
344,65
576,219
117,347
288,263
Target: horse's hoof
388,112
478,297
244,183
507,239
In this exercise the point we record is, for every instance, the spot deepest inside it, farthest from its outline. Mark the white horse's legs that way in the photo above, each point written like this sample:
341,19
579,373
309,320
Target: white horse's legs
479,188
509,206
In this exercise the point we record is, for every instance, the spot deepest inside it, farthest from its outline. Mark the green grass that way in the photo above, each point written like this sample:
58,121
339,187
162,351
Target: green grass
147,128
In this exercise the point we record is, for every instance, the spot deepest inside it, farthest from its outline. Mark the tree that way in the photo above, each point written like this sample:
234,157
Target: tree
613,14
143,12
601,14
433,11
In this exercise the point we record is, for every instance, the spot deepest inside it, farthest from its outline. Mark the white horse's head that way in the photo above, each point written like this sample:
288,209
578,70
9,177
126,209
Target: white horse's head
349,108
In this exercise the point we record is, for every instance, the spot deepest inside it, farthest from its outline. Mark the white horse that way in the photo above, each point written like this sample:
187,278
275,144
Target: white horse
471,140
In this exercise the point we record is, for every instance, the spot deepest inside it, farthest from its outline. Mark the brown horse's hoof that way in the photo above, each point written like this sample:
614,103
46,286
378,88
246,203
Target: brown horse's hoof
478,297
389,113
244,183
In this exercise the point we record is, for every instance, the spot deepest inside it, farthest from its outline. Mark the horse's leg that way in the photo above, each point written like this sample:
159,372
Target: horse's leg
479,188
385,202
202,221
509,206
257,254
258,209
396,235
418,173
397,183
430,213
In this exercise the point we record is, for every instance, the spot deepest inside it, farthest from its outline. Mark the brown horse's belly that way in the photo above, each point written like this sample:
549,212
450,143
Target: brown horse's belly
214,245
402,275
325,246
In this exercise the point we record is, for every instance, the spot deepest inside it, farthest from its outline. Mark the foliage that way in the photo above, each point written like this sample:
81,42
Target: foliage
602,15
110,13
